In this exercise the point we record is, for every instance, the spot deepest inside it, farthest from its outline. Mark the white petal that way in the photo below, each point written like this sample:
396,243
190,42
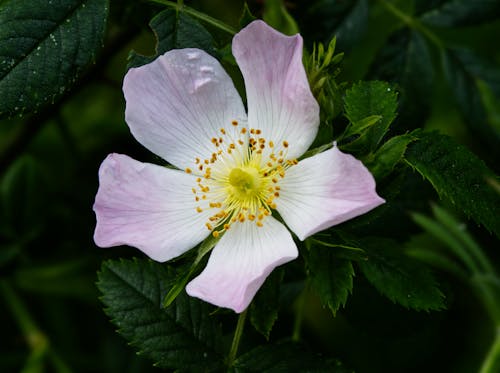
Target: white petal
179,102
326,189
280,102
240,263
149,207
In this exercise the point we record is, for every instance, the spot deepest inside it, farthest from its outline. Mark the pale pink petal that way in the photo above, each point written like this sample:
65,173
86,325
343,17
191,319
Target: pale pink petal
280,102
240,263
147,206
179,102
326,189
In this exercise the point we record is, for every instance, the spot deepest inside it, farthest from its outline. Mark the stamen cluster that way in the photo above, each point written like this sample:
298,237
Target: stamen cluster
240,179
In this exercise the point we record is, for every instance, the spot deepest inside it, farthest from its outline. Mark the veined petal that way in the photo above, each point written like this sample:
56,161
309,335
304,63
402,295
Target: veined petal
240,263
280,102
179,102
147,206
326,189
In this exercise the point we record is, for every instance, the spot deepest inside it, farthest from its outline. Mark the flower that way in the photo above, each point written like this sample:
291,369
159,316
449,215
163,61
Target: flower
233,171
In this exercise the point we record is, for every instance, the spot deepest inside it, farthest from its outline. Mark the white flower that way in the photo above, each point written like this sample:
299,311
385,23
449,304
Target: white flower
234,170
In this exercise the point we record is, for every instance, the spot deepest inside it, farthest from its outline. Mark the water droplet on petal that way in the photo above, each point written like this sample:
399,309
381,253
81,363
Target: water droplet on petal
200,82
206,69
193,55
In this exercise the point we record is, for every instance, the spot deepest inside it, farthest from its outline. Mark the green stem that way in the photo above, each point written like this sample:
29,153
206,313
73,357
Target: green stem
299,315
491,363
412,22
36,340
201,16
236,339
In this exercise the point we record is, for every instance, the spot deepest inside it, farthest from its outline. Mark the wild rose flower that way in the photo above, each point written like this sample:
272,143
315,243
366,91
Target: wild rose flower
234,170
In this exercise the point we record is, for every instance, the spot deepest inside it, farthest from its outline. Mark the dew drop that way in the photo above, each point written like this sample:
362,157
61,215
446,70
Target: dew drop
198,83
206,69
193,55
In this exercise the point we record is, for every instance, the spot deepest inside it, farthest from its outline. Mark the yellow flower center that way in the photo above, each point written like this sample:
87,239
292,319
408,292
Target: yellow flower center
240,180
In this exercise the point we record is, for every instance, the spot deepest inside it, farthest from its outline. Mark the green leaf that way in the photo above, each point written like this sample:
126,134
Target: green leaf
406,60
366,99
362,125
457,175
265,306
45,46
286,357
182,336
389,154
399,277
246,16
276,15
184,276
462,13
330,276
321,20
23,192
464,71
175,30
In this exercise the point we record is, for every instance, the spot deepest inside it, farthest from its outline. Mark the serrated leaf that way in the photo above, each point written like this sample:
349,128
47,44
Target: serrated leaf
457,175
286,357
183,336
330,276
45,46
398,277
265,306
462,13
389,154
366,99
175,30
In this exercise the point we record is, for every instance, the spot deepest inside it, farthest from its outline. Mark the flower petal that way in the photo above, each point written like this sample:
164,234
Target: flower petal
240,263
147,206
326,189
179,102
280,102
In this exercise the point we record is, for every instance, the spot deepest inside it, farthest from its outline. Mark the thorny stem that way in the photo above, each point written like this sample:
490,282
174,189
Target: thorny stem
491,363
411,22
236,339
201,16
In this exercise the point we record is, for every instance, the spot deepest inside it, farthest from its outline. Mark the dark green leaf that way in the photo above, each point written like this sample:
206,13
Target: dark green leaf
23,200
330,276
265,306
389,154
464,71
400,278
325,19
286,357
276,15
182,336
366,99
462,13
175,30
45,46
457,175
246,16
406,60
